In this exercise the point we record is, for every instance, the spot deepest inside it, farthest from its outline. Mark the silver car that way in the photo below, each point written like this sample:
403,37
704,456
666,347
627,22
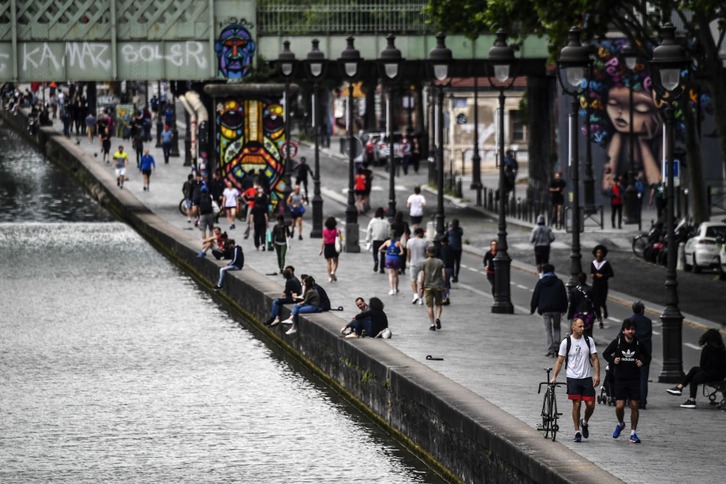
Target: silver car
701,250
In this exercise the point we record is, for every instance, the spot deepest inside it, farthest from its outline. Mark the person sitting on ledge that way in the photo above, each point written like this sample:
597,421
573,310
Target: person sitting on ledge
236,264
711,368
369,322
293,289
309,304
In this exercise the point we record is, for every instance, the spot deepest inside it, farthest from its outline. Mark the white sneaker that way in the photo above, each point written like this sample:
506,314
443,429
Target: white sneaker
330,279
391,292
286,321
420,301
275,322
415,298
291,331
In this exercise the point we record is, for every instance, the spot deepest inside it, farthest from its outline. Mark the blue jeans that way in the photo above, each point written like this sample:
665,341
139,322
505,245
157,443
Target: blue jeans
276,306
306,309
223,271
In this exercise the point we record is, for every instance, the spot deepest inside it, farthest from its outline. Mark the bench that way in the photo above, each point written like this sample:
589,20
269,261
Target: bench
712,389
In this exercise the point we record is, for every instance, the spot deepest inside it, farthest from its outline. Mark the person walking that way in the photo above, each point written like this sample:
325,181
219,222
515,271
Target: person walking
600,271
401,231
376,234
489,263
147,165
627,356
393,250
550,300
121,161
230,202
260,220
236,264
447,256
616,202
327,247
432,287
206,212
301,178
581,304
582,367
296,209
455,236
712,367
417,247
166,139
644,332
542,237
557,200
104,134
416,204
280,236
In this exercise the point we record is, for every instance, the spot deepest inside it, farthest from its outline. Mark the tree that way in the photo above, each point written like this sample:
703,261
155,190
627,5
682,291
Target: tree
639,21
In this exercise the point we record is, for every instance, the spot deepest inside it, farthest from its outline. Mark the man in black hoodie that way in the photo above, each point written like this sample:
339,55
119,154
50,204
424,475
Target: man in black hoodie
627,356
550,300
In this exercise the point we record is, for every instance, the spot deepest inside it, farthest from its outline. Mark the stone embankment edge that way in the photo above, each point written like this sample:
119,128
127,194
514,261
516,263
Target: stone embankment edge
460,433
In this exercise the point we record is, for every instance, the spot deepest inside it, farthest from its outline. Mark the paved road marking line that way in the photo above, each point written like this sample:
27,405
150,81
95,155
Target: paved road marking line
657,333
522,287
615,320
691,345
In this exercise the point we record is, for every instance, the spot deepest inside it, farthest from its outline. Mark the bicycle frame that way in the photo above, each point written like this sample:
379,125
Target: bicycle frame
549,412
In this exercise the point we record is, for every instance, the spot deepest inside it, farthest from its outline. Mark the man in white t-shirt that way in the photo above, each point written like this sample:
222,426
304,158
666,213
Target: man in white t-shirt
416,204
583,374
416,250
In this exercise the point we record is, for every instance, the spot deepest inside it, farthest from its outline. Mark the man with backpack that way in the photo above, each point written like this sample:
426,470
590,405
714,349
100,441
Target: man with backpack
579,354
627,356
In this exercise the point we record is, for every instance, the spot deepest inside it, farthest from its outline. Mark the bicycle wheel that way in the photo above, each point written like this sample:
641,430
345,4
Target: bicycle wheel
545,415
639,243
555,426
183,207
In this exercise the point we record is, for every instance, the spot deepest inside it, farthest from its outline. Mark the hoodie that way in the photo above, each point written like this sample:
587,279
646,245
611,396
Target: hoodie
541,234
550,295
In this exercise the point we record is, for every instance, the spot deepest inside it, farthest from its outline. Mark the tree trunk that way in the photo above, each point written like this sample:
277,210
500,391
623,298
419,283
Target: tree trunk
697,184
542,121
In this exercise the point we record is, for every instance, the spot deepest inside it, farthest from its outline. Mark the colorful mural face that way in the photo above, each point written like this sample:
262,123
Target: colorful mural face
610,116
250,135
235,49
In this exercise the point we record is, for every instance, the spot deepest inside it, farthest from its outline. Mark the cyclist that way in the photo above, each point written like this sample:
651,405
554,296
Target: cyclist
579,354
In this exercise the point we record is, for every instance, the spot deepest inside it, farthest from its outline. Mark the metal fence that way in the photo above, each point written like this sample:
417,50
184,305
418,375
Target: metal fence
281,17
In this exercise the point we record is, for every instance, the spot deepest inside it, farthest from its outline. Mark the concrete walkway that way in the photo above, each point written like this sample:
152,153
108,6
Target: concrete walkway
498,357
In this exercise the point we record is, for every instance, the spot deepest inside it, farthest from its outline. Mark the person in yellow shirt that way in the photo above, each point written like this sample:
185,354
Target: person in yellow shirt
121,160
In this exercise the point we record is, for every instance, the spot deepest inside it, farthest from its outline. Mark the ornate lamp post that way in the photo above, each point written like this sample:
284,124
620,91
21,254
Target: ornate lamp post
439,59
669,60
501,58
350,61
286,63
315,63
389,64
573,68
632,207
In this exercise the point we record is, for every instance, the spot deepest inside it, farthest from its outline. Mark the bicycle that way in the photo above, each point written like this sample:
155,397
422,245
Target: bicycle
549,409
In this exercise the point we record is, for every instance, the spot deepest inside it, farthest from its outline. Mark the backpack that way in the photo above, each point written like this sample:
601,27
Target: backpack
569,345
205,204
324,299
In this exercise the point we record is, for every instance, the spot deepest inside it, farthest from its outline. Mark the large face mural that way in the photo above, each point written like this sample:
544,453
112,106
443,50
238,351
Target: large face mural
235,50
250,134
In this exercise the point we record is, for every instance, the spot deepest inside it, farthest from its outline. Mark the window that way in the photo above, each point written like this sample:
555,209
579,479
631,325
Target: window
518,129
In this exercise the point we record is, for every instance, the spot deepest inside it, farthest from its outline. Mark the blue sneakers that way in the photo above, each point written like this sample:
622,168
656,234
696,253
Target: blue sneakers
618,428
578,437
585,431
634,439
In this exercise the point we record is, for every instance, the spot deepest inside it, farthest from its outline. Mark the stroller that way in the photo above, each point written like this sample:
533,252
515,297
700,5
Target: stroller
607,389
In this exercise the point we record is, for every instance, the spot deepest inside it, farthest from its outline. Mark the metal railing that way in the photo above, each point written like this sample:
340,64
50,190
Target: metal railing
281,17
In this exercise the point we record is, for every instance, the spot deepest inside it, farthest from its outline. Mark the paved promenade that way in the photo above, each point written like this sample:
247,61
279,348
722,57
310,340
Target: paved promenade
500,357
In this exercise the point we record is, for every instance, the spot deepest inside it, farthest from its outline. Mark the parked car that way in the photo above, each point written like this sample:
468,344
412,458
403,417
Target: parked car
721,267
369,140
701,250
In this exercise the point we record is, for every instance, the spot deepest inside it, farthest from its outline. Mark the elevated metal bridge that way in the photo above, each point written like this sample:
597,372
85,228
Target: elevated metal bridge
204,40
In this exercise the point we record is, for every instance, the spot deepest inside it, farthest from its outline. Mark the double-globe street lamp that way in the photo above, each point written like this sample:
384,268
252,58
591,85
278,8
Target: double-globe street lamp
573,72
668,63
350,63
286,63
390,63
315,63
439,59
501,58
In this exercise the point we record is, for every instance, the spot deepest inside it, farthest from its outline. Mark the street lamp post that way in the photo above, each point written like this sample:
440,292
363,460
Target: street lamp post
316,63
501,58
632,207
439,59
286,63
350,61
389,63
475,158
669,60
573,68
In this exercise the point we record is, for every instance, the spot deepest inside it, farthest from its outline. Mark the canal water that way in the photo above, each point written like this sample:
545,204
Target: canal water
116,367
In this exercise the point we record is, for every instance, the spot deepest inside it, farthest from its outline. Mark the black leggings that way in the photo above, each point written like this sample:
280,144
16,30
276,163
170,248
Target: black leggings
260,236
695,377
457,262
616,210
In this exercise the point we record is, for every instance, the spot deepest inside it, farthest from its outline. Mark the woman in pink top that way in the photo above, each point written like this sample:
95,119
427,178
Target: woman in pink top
328,247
